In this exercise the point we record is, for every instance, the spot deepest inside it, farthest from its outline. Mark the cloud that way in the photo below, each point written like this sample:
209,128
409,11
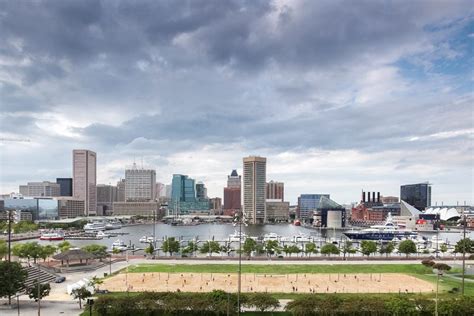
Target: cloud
192,86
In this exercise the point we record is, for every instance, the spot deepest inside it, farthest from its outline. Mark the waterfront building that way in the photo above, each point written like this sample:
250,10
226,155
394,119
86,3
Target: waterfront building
329,214
141,208
183,197
85,179
139,184
44,188
40,208
201,191
234,180
255,179
215,204
307,204
389,199
159,190
418,195
106,196
65,186
275,191
121,191
69,207
371,210
277,210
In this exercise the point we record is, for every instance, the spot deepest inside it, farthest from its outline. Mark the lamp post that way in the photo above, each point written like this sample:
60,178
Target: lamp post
241,218
9,248
438,273
464,223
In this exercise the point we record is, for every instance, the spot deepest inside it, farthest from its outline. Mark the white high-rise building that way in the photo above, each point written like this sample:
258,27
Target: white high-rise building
140,184
85,179
255,180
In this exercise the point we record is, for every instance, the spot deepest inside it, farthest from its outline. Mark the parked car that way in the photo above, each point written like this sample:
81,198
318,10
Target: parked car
60,279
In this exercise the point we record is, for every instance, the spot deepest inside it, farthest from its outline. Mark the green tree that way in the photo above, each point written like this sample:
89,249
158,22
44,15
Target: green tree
347,248
3,249
329,249
47,251
368,247
261,301
34,250
98,251
12,278
387,248
441,267
401,306
249,246
464,245
33,293
310,248
170,245
24,227
294,249
19,250
81,294
64,246
443,248
210,247
271,247
95,282
150,249
407,247
190,248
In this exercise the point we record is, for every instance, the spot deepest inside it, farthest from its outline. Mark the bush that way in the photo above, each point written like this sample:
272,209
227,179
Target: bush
428,262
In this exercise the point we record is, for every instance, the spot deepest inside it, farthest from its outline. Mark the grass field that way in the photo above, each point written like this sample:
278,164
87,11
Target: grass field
283,269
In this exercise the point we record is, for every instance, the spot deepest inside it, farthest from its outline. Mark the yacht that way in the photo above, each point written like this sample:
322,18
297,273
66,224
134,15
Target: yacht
113,225
146,240
436,240
387,232
236,237
302,238
58,235
100,234
271,236
120,245
94,227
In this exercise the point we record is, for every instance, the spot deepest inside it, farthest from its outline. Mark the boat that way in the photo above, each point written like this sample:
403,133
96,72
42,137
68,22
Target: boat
386,232
94,227
52,236
271,236
297,222
100,234
302,238
120,245
236,237
436,240
113,225
146,240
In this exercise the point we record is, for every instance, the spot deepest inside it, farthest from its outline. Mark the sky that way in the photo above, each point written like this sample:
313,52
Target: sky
340,96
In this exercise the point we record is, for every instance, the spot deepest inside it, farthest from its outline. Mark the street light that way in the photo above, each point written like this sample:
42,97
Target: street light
438,273
464,224
241,219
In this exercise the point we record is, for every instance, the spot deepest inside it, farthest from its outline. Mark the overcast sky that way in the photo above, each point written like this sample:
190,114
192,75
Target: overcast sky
339,96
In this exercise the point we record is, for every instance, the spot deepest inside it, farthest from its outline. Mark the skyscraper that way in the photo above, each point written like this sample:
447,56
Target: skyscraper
183,196
121,190
65,185
140,184
106,196
38,189
232,194
254,189
201,191
85,178
275,191
418,195
234,180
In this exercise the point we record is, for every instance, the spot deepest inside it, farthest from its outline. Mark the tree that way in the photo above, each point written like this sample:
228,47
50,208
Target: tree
12,278
47,251
329,249
294,249
310,248
81,294
170,245
190,248
443,248
428,263
400,306
19,250
407,247
441,267
249,246
150,249
387,249
33,293
96,281
64,246
347,248
3,249
464,245
34,250
261,301
98,251
368,247
271,247
210,247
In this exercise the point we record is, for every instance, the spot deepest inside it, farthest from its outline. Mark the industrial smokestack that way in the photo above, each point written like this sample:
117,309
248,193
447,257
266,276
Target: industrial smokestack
373,197
368,197
363,196
378,197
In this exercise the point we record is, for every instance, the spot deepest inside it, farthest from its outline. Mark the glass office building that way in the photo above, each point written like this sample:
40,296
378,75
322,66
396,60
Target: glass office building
183,196
308,203
417,195
40,208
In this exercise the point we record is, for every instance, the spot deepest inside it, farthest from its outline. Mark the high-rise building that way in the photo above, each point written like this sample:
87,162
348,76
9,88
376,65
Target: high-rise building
38,189
234,180
277,210
140,184
183,196
159,190
418,195
215,204
255,180
121,190
201,191
85,179
65,185
106,196
275,191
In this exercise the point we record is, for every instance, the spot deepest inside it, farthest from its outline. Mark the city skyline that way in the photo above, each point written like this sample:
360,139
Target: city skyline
339,97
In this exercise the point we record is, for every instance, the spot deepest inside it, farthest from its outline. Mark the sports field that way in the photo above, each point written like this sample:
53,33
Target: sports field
273,278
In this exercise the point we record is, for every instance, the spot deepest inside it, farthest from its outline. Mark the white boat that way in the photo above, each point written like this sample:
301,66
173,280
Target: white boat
436,240
94,227
100,234
120,245
236,237
113,225
52,236
271,236
146,240
302,238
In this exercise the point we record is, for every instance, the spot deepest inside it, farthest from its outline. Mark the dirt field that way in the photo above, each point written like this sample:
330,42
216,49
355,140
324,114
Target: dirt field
289,283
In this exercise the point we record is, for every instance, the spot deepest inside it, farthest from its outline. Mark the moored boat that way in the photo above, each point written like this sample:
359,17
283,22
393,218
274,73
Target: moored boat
52,236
